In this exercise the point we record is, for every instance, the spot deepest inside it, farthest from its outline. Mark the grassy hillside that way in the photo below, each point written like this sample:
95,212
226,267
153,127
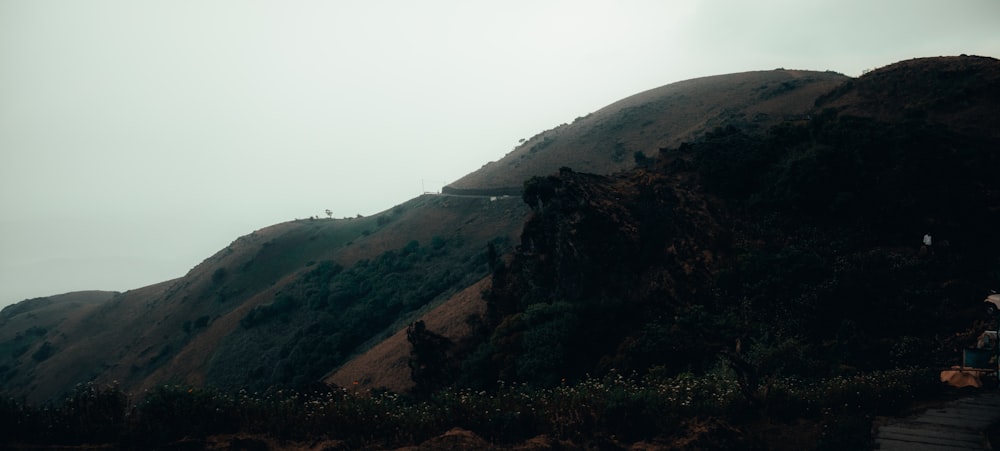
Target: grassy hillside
25,329
173,331
386,366
767,276
607,140
193,330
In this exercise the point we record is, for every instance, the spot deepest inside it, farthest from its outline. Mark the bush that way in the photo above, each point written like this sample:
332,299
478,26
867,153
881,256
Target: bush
43,352
218,275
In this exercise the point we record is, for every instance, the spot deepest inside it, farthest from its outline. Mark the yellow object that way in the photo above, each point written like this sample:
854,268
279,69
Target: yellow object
958,377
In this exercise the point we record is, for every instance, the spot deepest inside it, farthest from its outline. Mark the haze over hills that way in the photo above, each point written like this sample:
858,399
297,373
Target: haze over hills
330,299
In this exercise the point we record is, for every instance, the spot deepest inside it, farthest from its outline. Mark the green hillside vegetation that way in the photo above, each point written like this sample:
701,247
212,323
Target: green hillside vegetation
330,312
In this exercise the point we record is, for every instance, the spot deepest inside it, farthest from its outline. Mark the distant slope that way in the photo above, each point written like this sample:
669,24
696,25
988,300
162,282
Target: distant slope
190,330
30,338
606,140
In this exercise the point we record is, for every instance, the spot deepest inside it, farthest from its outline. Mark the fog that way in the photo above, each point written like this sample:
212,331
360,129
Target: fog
139,137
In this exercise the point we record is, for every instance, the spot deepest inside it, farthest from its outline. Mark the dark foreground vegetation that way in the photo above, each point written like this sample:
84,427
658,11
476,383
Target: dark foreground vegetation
610,412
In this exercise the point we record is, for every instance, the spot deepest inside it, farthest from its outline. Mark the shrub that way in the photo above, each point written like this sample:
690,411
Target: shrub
43,352
218,275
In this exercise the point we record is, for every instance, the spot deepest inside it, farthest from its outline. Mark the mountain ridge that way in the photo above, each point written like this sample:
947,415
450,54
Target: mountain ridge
604,141
184,331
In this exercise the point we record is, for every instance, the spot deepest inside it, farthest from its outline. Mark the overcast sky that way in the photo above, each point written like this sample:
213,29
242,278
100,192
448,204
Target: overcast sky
139,137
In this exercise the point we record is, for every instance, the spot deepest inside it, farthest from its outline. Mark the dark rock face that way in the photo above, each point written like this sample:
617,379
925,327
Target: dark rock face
812,231
601,255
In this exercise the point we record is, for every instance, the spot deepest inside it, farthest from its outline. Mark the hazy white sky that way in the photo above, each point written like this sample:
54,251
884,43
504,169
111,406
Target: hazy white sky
139,137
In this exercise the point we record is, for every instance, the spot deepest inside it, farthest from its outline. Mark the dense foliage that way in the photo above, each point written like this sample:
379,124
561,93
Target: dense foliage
794,255
603,412
330,312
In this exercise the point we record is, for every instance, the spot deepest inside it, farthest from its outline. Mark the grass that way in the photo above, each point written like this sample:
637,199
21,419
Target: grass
683,110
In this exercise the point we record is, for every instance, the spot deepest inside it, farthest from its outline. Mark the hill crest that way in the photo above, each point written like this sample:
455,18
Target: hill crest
607,140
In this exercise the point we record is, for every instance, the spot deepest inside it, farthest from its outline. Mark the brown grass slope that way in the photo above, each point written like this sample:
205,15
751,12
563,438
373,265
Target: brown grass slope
466,223
25,330
386,365
172,332
168,333
129,337
606,140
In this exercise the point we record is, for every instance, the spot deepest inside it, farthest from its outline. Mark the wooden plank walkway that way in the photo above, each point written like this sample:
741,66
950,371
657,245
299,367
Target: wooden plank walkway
958,425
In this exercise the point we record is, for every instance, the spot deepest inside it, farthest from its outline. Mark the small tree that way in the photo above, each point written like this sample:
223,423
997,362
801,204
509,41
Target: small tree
429,366
329,214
